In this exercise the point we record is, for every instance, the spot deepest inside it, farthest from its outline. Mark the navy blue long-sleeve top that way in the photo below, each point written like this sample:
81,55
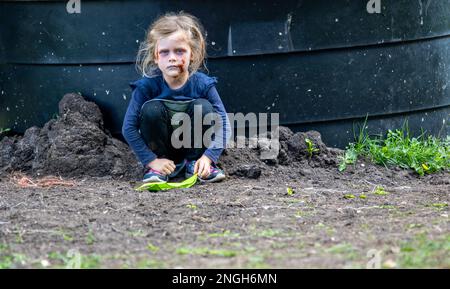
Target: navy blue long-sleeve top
198,85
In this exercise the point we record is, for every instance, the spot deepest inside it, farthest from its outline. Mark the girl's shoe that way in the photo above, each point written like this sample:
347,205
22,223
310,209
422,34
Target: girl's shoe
178,168
154,176
215,174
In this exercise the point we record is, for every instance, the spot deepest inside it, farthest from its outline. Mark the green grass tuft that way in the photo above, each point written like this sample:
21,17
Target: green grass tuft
423,154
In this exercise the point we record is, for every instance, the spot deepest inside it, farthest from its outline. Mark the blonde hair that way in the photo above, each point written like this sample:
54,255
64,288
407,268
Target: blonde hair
165,26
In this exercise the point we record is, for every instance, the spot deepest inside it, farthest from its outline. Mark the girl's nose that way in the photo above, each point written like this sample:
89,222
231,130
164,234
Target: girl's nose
172,56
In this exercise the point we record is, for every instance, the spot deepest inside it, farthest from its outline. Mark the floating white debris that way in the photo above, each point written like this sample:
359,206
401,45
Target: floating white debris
124,96
137,40
7,108
309,90
107,92
100,69
103,33
279,33
336,20
213,43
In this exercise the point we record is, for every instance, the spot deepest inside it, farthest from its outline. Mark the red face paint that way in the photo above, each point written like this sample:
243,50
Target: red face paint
181,66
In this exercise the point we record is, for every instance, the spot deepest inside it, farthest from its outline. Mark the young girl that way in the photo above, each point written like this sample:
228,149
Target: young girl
169,59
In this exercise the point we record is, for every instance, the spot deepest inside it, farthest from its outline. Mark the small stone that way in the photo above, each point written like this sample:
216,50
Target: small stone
395,250
389,264
45,263
248,171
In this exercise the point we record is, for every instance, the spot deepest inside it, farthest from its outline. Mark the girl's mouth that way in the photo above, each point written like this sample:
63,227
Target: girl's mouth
178,67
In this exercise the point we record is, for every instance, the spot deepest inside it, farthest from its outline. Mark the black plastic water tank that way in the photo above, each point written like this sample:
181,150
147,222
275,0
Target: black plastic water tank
321,64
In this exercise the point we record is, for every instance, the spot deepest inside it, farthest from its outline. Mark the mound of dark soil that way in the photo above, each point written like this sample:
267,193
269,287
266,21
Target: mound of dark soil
292,153
74,144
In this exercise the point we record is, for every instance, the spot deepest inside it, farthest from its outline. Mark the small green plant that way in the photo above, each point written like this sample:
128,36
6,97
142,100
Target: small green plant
379,190
152,248
66,236
310,147
290,191
414,226
268,233
73,259
424,154
439,206
19,235
225,233
349,196
302,214
137,234
4,130
191,206
350,156
8,259
90,238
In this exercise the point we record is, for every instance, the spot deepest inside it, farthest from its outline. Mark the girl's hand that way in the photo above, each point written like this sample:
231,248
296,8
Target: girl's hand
164,166
202,166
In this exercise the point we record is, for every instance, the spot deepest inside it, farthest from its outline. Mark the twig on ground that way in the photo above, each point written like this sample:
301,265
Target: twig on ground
48,181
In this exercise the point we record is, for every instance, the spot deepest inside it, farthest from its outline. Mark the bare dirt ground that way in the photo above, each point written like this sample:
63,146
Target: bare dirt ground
297,211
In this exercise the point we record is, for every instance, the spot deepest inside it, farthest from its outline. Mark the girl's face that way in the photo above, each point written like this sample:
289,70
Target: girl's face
173,55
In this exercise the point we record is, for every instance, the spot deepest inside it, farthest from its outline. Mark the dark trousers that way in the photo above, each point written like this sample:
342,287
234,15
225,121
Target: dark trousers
156,130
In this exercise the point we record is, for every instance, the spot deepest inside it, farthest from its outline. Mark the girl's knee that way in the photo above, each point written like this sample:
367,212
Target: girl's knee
153,110
204,103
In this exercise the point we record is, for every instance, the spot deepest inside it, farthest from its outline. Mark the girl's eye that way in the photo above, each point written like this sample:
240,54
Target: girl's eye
179,51
164,52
